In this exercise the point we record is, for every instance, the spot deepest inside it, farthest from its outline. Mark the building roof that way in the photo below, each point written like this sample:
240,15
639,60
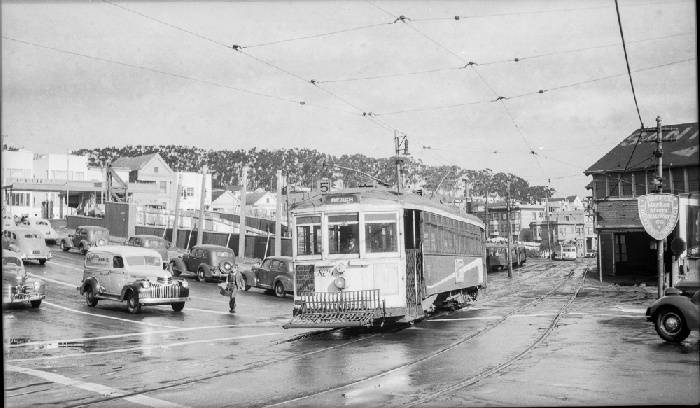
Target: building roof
133,163
252,198
680,148
216,193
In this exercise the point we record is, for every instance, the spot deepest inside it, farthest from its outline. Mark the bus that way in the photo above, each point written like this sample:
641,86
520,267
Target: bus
366,257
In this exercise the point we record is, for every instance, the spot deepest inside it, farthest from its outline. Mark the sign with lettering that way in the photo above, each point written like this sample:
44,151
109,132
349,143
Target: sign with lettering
341,198
324,186
658,213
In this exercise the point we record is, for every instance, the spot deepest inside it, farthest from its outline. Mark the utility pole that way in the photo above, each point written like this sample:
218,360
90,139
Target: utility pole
546,214
278,216
200,231
67,172
467,201
176,219
241,222
486,211
398,141
510,233
660,243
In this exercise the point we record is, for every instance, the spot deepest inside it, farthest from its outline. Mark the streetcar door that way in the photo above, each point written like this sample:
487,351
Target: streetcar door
414,262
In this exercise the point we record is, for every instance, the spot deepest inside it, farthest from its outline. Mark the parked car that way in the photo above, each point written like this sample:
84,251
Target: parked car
591,254
677,313
17,286
276,273
43,226
132,275
161,245
28,243
207,261
86,237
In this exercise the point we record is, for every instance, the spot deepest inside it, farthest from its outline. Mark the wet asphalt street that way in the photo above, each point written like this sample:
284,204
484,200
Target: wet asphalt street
546,337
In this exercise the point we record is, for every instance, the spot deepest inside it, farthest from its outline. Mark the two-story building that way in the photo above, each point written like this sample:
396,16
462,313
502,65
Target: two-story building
628,171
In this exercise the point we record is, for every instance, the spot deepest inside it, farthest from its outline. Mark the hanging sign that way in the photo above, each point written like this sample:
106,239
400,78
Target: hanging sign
658,213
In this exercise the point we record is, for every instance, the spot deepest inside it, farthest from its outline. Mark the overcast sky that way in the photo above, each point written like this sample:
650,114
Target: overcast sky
102,73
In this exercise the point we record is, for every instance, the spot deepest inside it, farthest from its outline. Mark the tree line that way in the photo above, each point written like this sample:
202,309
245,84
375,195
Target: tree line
304,167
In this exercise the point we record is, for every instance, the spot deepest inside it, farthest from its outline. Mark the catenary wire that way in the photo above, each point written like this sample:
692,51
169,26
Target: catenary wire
627,62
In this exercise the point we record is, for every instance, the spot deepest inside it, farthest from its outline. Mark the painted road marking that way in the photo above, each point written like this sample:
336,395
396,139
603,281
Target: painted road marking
96,388
66,266
107,317
75,286
57,343
142,348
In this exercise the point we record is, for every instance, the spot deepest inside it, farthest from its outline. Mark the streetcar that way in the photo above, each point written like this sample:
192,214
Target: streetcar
496,255
367,257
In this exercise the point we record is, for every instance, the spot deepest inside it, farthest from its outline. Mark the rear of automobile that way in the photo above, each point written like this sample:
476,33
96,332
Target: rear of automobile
31,246
98,237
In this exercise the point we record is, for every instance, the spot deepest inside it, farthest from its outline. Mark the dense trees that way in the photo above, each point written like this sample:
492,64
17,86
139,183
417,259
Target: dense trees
303,167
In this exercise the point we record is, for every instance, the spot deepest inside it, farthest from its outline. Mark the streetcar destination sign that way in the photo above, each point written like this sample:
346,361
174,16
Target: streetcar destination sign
658,213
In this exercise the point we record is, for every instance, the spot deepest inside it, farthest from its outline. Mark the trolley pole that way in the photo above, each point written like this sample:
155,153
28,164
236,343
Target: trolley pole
397,147
660,243
510,234
241,214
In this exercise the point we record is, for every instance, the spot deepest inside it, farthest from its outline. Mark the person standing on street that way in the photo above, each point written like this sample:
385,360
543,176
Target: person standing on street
234,283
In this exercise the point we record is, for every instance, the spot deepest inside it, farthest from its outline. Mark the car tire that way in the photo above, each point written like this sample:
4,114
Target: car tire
279,290
174,270
82,249
35,303
177,307
670,324
132,303
201,275
90,298
42,261
64,247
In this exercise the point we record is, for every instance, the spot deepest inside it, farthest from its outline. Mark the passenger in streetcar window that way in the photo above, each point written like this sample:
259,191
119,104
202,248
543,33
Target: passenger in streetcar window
351,245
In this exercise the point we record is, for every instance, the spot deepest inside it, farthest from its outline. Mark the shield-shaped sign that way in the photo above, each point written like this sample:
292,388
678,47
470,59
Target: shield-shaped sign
658,213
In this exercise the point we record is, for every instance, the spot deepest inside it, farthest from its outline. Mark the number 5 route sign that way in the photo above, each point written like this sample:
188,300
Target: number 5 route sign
658,213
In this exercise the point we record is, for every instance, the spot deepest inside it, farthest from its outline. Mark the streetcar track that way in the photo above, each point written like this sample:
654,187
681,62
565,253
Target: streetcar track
432,355
489,371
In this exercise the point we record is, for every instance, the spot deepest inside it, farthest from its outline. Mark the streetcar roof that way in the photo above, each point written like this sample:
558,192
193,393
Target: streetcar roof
378,197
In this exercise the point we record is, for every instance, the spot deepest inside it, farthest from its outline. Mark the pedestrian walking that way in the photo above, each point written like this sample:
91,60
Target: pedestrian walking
234,282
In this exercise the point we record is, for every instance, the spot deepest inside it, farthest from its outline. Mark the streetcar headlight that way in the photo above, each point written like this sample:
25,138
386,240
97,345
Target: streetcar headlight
339,282
101,242
37,285
19,279
145,284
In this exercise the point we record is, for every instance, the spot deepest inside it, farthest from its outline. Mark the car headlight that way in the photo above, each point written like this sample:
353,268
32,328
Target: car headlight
225,267
184,284
101,242
145,284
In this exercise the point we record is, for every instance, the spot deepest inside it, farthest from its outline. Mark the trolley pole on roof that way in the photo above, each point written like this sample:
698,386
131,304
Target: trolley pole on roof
398,141
660,243
510,234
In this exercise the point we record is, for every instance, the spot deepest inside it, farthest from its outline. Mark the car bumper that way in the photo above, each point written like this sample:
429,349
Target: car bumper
163,301
36,257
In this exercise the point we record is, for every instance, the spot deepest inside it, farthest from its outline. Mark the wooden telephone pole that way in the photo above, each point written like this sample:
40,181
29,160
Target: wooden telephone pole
510,234
659,243
200,231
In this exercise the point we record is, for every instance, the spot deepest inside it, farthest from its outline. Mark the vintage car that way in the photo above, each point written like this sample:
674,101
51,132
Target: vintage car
28,243
275,273
206,261
86,237
43,226
132,275
17,287
161,245
678,313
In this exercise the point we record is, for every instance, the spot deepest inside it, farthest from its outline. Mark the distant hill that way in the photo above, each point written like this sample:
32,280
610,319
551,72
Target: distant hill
303,167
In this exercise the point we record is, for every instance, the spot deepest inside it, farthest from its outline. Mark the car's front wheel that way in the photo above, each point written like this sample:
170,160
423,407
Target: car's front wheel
90,298
671,325
178,306
132,303
64,246
279,289
201,276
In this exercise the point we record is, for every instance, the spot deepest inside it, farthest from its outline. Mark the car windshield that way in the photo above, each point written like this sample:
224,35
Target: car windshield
154,243
139,260
11,261
223,254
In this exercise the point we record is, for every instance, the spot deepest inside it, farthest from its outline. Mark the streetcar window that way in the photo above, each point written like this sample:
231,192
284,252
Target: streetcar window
309,235
343,234
380,232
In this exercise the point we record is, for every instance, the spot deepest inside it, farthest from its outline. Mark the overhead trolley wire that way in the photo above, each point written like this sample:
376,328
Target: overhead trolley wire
627,62
319,35
241,49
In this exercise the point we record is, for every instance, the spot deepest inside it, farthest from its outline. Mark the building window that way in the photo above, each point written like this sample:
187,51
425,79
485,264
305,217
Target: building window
613,186
626,185
187,192
155,169
163,186
640,183
678,181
